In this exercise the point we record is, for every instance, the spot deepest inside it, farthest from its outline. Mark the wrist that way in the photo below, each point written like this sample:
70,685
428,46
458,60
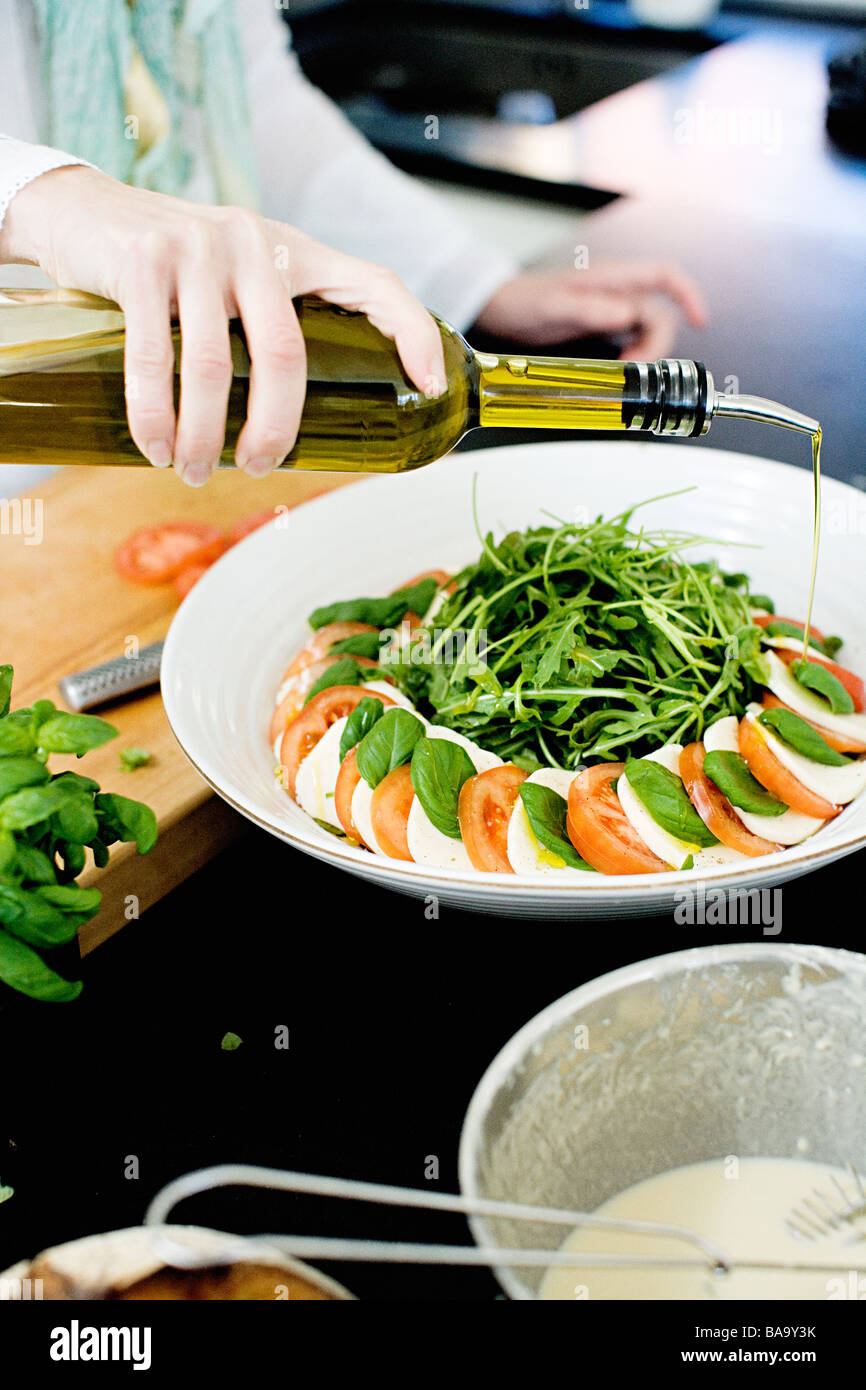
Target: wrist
24,235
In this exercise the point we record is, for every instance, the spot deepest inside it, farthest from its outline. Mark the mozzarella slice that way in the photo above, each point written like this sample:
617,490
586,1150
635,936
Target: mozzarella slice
391,692
837,784
789,828
427,844
526,854
791,644
361,798
317,776
803,702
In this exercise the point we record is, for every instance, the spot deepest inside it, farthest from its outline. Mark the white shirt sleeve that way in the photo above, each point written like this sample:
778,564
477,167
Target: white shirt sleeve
318,173
20,163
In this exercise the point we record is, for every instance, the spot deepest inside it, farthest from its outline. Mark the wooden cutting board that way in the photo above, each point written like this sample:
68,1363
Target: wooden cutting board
64,608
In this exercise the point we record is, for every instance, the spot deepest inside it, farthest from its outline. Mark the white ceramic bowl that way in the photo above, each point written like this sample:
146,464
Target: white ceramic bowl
237,630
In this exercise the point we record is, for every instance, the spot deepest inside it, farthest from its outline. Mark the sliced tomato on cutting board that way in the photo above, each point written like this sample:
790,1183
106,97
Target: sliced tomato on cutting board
157,554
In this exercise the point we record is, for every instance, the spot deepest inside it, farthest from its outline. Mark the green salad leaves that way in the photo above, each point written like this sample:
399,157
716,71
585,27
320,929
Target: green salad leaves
47,822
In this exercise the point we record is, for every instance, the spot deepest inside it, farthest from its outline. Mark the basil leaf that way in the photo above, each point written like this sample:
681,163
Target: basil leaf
688,862
74,733
378,612
73,857
8,851
388,744
75,819
547,812
823,683
359,723
22,969
439,769
5,689
343,672
731,774
68,897
20,771
31,806
419,597
762,601
126,820
24,913
35,866
663,795
360,644
18,732
801,736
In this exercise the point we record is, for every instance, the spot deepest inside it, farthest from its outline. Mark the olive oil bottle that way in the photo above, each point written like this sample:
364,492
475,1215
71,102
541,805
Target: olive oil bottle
62,391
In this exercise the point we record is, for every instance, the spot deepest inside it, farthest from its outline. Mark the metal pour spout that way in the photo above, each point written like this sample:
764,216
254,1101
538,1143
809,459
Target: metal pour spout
756,408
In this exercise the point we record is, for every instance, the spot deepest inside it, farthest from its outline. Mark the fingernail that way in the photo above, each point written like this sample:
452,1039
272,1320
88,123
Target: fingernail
195,474
158,452
434,385
259,467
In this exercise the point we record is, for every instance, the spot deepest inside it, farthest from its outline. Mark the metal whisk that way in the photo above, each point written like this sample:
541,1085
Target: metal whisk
709,1256
842,1213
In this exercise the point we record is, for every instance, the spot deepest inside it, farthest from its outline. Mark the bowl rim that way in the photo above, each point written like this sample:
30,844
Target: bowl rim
506,1061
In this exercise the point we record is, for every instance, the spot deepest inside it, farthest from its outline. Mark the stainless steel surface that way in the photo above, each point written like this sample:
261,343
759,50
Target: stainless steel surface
756,408
122,675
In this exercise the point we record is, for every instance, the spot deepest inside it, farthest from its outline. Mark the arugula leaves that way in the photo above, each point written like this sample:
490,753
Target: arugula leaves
801,736
388,744
547,812
731,774
439,768
46,824
822,682
663,795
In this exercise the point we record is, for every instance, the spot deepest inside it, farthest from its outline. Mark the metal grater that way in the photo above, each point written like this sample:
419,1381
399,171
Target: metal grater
122,675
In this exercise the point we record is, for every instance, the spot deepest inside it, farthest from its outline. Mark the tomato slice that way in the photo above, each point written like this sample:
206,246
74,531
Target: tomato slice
247,524
299,687
599,828
390,805
189,577
765,766
484,810
314,721
843,743
762,619
320,644
347,780
851,681
156,554
714,808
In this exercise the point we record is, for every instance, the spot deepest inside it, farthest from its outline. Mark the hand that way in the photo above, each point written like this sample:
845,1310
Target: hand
161,257
637,299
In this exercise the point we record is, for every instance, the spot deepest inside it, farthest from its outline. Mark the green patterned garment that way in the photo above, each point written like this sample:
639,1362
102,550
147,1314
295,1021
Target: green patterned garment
192,50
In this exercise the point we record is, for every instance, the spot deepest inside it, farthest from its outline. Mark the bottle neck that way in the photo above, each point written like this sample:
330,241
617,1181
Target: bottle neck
666,397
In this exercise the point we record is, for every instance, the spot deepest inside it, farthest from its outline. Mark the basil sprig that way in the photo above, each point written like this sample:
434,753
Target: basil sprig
547,812
822,682
359,644
346,671
800,736
439,770
663,795
731,774
46,824
388,744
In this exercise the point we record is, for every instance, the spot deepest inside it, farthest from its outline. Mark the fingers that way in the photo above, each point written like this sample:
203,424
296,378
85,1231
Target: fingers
149,370
278,374
654,277
654,331
382,296
205,377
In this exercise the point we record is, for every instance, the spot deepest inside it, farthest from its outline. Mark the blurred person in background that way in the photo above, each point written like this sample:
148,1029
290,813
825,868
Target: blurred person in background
161,153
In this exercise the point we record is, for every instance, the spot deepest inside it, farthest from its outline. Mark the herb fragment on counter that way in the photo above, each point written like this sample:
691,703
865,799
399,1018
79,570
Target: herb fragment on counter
47,822
128,759
231,1042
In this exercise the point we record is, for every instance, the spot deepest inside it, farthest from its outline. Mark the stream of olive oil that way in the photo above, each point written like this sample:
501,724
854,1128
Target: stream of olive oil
816,533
